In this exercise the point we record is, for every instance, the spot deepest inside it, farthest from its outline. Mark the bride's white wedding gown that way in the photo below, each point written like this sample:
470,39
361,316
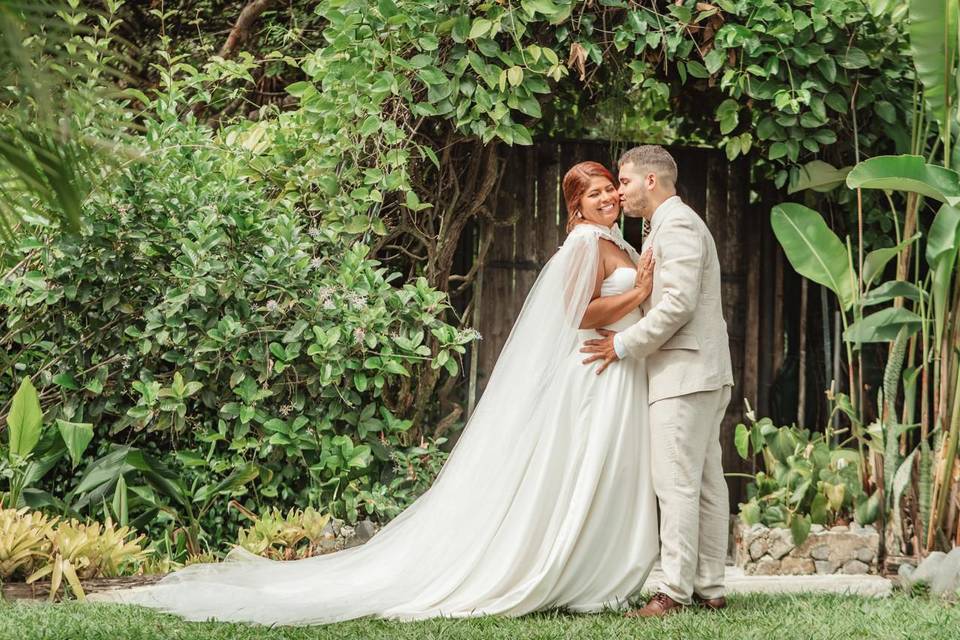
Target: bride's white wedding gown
546,500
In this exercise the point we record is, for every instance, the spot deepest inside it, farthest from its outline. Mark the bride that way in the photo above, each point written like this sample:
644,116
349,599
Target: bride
545,501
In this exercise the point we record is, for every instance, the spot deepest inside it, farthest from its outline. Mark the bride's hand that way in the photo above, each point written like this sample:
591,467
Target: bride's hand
644,280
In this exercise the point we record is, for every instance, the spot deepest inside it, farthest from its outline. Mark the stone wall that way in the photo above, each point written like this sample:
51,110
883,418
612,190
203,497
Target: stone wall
852,549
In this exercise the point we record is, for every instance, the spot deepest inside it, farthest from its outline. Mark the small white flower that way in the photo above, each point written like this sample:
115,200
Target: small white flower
474,334
328,303
316,263
357,300
841,463
286,409
313,232
272,306
358,335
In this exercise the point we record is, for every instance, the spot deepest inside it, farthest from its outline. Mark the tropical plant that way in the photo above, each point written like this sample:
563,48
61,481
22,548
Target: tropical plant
34,546
807,479
918,319
32,452
278,536
24,541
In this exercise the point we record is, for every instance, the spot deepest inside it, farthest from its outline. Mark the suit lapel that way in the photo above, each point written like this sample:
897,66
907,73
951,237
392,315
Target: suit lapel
665,213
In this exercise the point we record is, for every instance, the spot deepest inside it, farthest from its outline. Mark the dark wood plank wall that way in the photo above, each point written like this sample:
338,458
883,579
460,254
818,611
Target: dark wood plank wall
717,189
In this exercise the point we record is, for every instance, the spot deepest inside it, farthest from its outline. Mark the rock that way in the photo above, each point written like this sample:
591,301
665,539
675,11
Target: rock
866,554
820,552
816,528
365,530
767,567
840,528
797,567
781,543
844,547
333,527
854,567
825,567
928,568
946,579
906,570
758,548
328,543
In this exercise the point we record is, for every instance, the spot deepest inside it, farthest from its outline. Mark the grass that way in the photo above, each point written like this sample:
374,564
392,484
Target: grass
754,617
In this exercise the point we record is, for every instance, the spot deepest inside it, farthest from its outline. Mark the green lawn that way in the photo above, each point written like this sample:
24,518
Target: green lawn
748,617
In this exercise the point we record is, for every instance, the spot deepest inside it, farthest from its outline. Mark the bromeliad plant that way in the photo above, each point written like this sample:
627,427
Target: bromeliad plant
34,546
807,479
296,534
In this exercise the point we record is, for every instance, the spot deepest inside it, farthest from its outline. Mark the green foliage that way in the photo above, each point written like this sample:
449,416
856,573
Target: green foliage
806,479
32,452
34,546
195,310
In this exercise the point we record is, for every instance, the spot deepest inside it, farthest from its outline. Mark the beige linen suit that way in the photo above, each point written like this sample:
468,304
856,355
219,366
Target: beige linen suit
684,339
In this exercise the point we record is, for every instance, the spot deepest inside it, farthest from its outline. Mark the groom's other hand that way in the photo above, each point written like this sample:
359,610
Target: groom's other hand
601,349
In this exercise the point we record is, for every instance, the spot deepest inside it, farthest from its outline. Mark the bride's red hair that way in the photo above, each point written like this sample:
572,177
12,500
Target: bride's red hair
575,184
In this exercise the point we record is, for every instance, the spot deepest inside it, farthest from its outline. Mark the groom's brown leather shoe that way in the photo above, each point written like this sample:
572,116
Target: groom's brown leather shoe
659,605
710,603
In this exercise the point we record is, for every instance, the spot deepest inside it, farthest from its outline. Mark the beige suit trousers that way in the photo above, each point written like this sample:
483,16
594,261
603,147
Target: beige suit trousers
689,483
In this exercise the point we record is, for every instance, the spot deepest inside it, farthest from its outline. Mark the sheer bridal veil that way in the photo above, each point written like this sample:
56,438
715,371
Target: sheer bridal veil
421,557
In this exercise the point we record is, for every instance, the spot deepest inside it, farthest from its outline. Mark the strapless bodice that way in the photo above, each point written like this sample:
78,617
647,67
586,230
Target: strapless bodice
619,281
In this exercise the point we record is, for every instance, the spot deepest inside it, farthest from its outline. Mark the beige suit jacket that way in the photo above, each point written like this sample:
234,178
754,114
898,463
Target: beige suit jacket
682,335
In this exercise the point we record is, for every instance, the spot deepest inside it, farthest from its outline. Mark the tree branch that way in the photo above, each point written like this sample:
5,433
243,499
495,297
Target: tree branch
241,29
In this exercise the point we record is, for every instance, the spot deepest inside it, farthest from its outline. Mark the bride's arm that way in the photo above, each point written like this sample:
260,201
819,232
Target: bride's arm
605,310
608,309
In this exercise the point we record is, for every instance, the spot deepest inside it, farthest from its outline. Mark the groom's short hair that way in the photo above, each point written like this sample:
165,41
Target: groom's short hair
651,158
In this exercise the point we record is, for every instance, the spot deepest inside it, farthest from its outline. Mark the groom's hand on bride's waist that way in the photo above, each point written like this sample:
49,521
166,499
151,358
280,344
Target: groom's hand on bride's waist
601,349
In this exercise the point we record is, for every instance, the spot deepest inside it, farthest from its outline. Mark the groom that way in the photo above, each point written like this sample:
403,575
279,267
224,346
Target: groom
684,340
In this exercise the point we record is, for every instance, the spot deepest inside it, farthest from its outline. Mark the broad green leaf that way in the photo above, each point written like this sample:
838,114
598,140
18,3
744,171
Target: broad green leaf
942,241
876,261
933,44
800,528
76,436
120,509
818,176
480,28
944,235
835,494
891,290
907,173
741,439
813,250
25,420
750,513
867,509
883,326
818,509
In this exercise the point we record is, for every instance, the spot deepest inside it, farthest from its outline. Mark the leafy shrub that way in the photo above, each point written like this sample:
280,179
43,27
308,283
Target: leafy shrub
806,479
194,313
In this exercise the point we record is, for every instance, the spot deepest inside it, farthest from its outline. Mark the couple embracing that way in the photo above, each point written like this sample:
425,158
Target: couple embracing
549,498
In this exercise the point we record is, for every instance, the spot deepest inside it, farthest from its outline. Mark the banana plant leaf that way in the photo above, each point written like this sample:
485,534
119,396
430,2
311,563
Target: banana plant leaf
891,290
883,326
942,243
907,173
933,45
814,251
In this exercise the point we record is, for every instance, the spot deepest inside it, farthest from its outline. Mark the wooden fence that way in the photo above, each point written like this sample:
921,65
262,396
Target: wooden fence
530,197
